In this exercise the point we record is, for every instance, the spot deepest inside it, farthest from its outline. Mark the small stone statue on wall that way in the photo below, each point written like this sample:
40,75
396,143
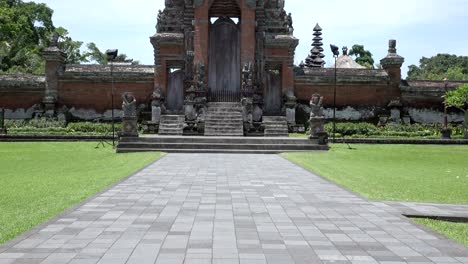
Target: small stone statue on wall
129,105
317,119
129,119
157,105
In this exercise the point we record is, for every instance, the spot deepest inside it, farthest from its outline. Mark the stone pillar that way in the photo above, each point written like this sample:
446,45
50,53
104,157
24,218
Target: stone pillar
248,41
54,66
201,34
392,65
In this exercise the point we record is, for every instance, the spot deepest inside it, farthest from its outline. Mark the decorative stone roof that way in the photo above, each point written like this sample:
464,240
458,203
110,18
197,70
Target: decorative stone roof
121,72
22,80
326,75
347,62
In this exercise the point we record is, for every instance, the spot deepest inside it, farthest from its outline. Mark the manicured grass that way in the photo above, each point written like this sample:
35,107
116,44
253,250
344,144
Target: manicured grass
455,231
40,180
394,172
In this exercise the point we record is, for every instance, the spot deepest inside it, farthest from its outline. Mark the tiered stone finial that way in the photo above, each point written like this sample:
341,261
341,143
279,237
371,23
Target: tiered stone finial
315,59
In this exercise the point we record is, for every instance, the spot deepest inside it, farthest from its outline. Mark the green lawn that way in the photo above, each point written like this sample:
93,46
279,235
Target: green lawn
456,231
394,172
40,180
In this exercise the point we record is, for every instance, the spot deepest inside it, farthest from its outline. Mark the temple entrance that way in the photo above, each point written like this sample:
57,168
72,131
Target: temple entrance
224,78
175,90
272,93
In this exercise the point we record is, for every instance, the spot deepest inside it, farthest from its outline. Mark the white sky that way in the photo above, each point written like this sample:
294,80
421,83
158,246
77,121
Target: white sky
421,27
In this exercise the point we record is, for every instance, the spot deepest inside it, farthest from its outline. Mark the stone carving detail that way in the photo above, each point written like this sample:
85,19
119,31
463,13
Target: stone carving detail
129,120
129,105
157,105
247,80
171,19
317,119
276,18
290,103
195,102
247,115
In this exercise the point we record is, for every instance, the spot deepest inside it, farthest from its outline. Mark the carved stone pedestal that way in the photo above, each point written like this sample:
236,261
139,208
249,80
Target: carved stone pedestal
317,130
129,127
446,133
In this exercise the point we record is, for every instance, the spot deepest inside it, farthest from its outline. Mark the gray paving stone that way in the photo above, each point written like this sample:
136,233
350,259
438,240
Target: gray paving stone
233,209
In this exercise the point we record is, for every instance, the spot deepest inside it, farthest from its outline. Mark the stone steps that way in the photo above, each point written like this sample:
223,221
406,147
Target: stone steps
275,126
171,125
224,119
206,144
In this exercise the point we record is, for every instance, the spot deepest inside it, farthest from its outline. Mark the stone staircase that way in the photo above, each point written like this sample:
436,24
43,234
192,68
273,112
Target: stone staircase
275,126
234,145
224,119
171,125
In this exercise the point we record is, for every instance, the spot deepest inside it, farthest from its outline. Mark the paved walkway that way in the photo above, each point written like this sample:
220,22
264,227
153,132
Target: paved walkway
218,208
428,209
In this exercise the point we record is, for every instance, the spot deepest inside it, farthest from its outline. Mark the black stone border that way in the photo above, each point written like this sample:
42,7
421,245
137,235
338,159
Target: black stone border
403,141
46,138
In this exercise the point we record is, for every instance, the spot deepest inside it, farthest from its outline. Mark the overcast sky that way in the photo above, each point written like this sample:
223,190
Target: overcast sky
421,27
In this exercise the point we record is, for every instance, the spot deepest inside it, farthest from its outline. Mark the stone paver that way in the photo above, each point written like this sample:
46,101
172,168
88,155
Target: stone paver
428,209
219,208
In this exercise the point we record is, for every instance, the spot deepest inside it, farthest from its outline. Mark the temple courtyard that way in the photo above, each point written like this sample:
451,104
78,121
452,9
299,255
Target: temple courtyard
227,208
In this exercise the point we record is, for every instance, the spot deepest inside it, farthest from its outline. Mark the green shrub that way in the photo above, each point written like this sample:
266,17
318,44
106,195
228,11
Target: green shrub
367,130
349,129
36,122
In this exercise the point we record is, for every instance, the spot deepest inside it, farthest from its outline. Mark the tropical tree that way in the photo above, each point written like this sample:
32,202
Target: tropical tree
94,54
70,47
459,98
363,56
24,32
441,66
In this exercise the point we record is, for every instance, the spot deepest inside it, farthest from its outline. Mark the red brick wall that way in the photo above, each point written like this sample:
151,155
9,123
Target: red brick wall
20,99
97,95
352,94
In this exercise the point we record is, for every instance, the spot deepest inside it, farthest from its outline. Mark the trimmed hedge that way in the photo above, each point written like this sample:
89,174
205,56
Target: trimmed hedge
43,126
367,130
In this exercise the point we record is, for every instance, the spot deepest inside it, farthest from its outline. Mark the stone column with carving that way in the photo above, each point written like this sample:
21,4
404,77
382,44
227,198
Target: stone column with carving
129,119
54,67
317,120
392,65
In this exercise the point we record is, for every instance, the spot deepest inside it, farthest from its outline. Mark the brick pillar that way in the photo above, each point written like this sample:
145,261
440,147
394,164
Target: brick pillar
287,77
392,65
54,66
201,37
247,34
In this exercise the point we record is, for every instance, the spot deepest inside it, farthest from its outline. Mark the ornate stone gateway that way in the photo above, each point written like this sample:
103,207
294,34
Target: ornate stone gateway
249,61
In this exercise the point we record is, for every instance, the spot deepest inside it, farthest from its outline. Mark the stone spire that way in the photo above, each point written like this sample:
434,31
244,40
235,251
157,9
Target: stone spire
315,59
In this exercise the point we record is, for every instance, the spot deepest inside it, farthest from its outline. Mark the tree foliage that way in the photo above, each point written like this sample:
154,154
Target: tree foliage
458,97
24,32
100,57
439,67
70,47
363,56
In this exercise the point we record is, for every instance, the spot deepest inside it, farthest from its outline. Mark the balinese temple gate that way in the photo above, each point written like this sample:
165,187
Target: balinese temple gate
224,68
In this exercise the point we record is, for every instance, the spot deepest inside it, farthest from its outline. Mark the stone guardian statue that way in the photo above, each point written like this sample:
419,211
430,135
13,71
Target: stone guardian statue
317,120
129,119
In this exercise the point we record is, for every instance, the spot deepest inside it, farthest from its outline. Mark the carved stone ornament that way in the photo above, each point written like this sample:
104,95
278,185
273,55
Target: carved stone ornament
129,120
129,105
317,119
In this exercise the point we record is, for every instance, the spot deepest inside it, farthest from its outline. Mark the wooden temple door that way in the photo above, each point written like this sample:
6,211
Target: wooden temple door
272,94
175,90
224,77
